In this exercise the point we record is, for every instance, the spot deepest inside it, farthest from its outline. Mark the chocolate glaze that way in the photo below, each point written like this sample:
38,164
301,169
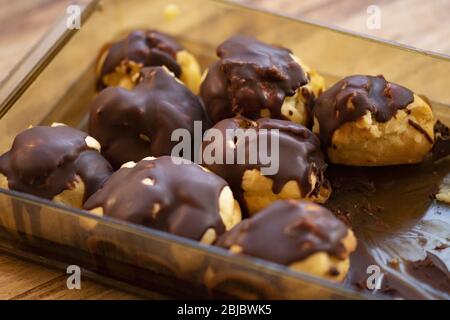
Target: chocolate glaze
186,194
157,106
365,93
44,161
299,154
214,93
149,48
441,148
287,232
250,76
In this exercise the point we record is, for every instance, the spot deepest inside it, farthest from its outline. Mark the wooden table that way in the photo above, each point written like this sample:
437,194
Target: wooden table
424,24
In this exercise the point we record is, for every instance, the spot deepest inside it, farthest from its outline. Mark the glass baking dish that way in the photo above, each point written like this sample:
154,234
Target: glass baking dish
56,81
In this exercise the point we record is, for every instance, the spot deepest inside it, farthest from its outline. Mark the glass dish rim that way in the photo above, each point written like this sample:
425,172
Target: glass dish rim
210,250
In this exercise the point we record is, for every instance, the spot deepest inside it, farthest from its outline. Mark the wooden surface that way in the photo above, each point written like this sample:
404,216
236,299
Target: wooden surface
418,23
424,24
24,280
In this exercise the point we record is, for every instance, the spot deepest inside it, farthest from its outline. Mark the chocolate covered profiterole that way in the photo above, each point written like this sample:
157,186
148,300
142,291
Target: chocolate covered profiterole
256,80
131,125
183,199
302,235
119,63
368,121
301,163
54,162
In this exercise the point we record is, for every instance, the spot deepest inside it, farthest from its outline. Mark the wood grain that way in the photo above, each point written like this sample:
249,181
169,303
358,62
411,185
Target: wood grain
24,280
418,23
424,24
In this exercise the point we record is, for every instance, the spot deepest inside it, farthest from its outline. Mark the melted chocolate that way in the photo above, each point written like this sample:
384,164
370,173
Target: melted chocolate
149,48
44,161
249,77
350,98
187,197
131,125
287,232
393,214
394,285
299,154
441,148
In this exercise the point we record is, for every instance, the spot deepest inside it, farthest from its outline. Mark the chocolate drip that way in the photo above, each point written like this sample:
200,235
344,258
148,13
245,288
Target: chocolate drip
287,232
249,77
179,198
214,94
350,98
149,48
131,125
416,126
94,170
45,161
299,154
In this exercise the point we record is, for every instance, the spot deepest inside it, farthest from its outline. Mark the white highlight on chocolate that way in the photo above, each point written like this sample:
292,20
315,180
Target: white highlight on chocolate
252,147
148,182
144,137
55,124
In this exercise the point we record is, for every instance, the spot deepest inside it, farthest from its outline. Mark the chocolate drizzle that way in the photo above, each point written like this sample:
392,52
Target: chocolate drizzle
416,126
350,98
45,161
178,198
287,232
148,48
131,125
299,154
249,77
